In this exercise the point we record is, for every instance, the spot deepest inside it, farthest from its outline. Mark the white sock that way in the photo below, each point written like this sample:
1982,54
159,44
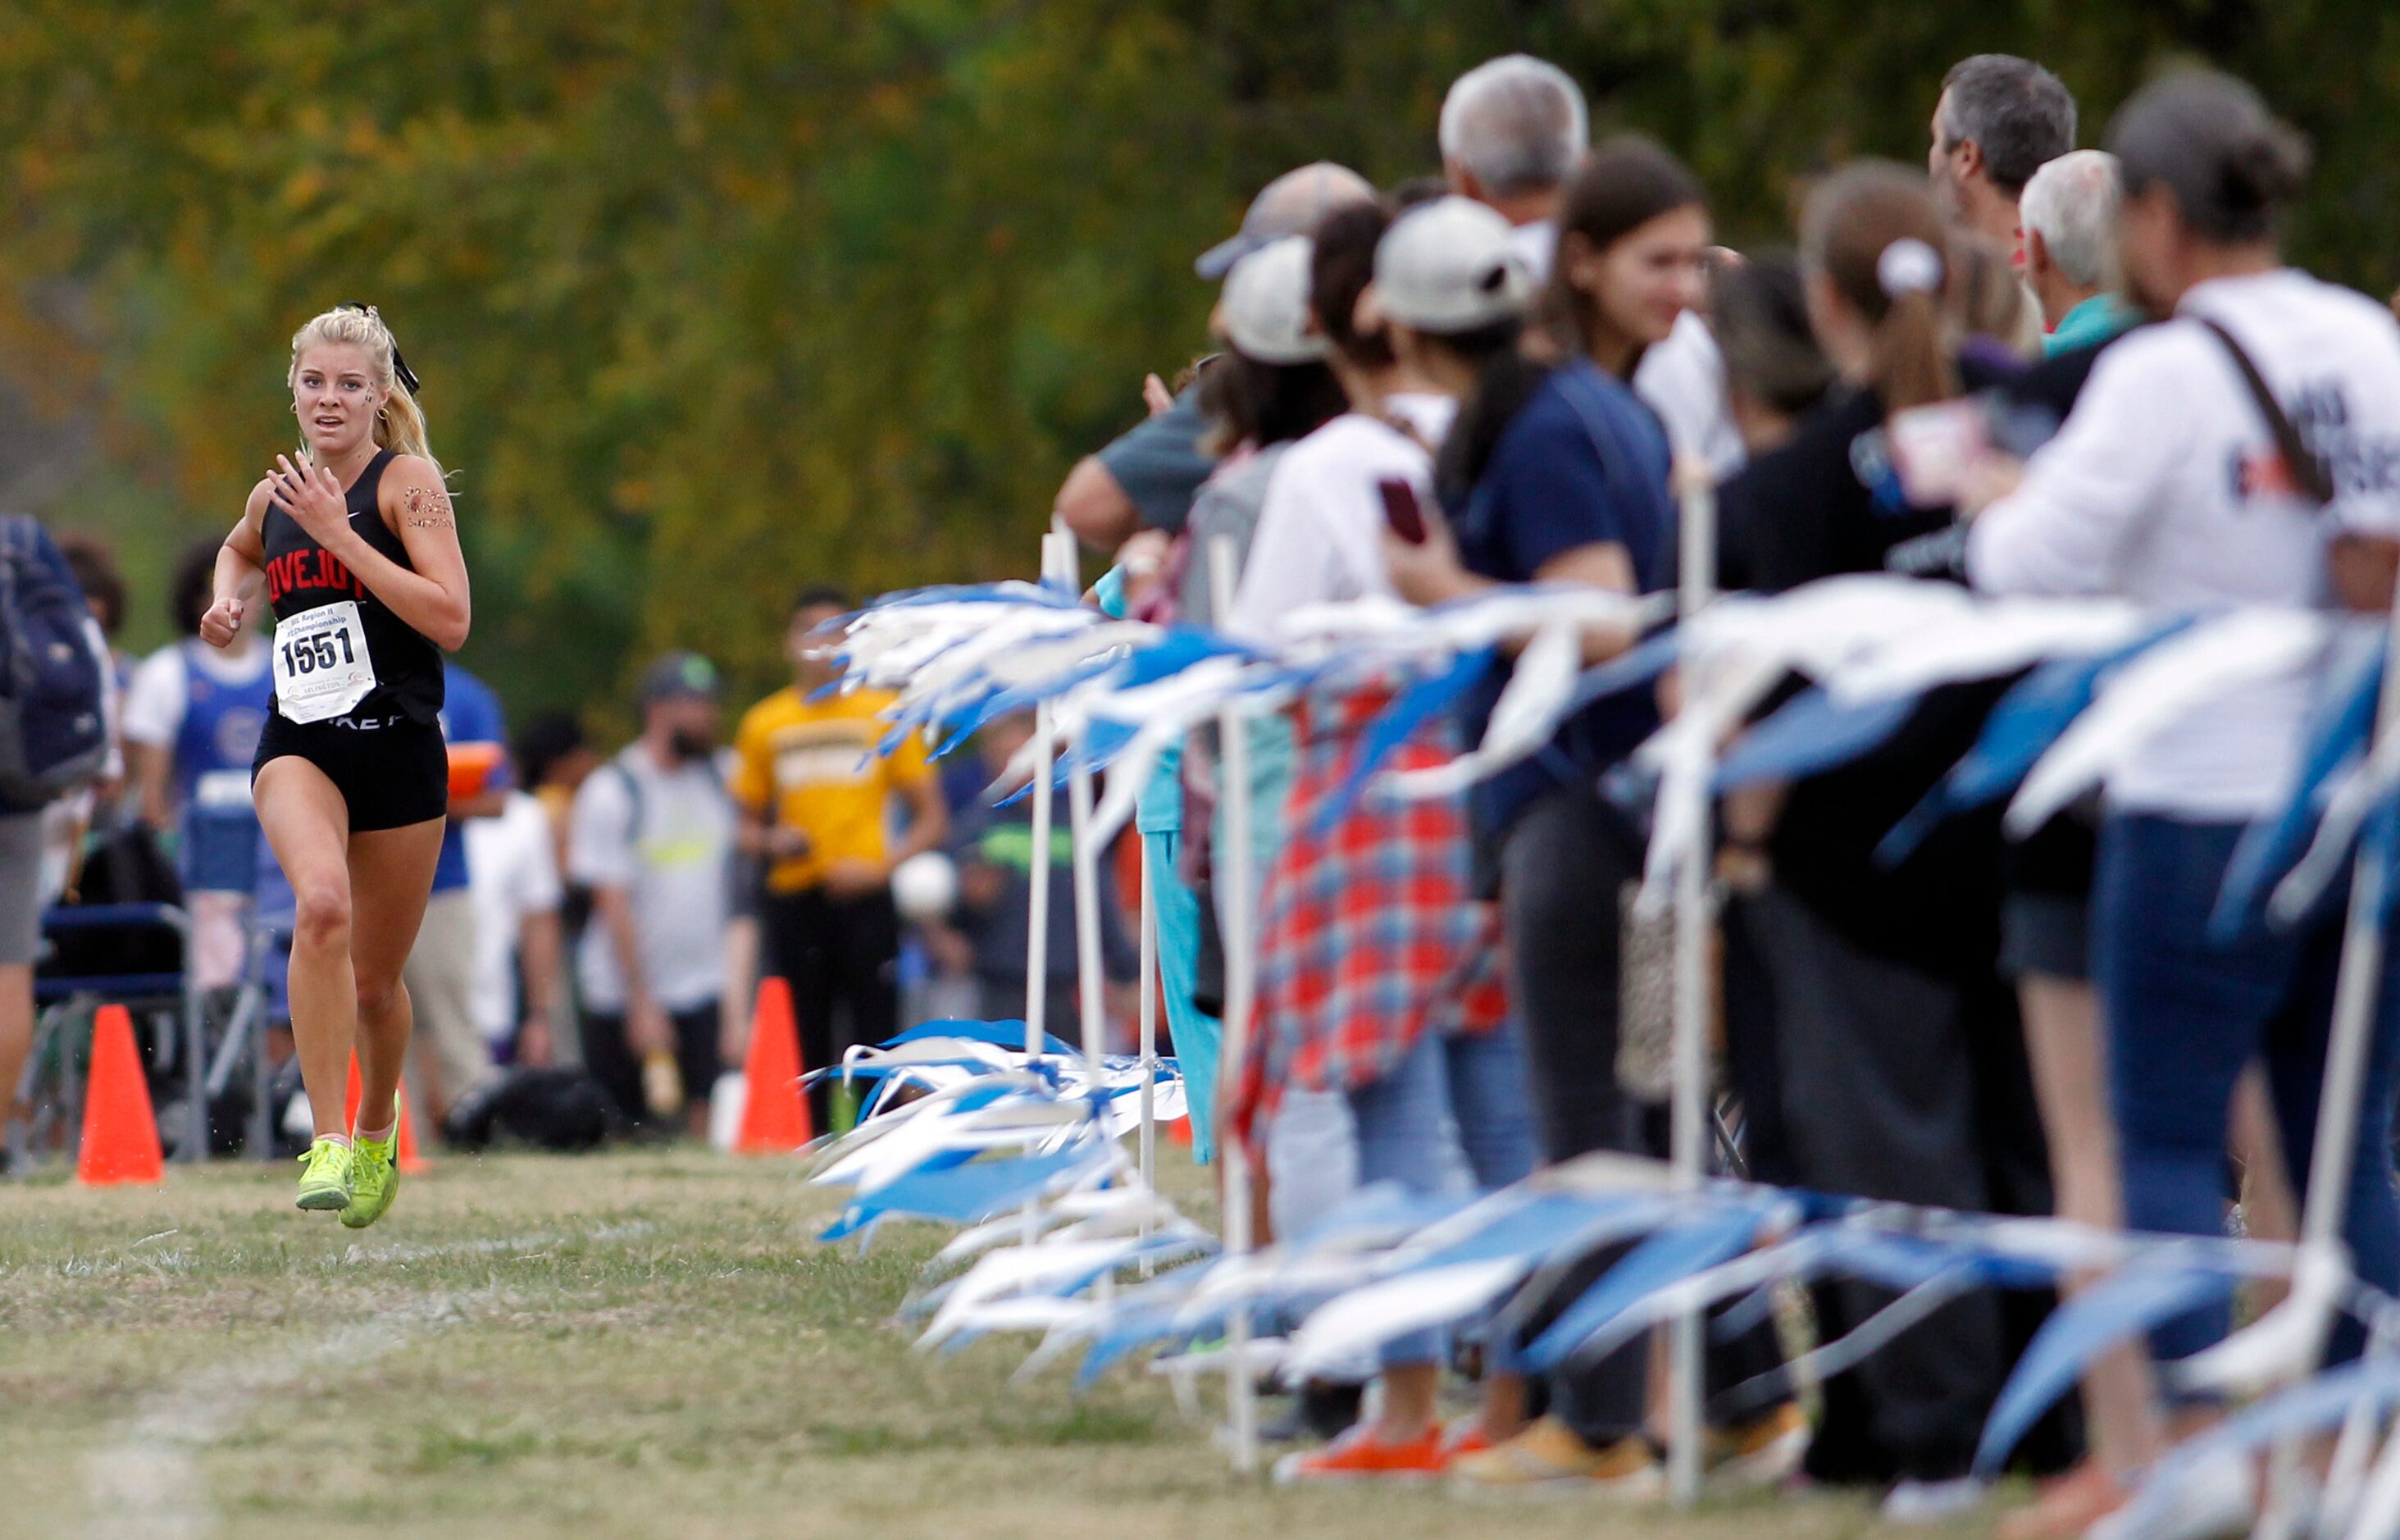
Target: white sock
342,1140
381,1135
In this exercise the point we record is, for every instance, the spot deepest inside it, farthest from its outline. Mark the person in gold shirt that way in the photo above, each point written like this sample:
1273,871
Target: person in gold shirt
818,806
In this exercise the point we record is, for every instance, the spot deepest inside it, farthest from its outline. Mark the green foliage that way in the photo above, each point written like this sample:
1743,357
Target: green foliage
712,299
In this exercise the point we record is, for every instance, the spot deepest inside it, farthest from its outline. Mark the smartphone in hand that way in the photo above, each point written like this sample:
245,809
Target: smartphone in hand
1402,510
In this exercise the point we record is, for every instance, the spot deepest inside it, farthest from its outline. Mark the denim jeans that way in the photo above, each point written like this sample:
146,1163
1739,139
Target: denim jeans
1473,1083
2185,1015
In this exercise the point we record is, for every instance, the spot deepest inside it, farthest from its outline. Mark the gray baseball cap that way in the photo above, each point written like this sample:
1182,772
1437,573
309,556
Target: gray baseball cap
680,676
1291,205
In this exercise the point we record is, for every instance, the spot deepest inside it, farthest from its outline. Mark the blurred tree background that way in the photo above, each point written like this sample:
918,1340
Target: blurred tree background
715,297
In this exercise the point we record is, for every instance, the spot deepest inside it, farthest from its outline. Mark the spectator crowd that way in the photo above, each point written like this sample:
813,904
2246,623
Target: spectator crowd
2027,367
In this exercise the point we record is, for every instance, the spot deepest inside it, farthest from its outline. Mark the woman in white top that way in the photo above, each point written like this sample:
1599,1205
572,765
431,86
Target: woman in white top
1377,974
2166,485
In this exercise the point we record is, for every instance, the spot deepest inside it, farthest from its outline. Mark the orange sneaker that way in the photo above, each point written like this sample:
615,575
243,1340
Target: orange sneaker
1358,1455
1765,1452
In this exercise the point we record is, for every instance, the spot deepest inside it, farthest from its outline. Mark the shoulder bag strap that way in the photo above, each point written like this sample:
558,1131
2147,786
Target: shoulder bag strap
2309,472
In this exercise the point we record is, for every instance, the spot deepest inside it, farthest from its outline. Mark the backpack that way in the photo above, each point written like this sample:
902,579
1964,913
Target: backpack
552,1108
53,725
124,867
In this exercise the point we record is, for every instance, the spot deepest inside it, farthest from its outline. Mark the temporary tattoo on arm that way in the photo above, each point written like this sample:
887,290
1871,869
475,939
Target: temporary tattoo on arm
428,508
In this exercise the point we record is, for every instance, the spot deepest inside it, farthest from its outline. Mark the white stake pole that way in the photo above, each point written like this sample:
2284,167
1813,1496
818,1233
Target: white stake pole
1693,1008
2358,984
1149,1146
1086,862
1037,918
1234,861
1058,570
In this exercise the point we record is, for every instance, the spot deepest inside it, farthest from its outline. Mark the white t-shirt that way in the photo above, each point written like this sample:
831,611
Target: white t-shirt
673,851
2152,491
1536,242
1683,378
161,689
511,872
1320,536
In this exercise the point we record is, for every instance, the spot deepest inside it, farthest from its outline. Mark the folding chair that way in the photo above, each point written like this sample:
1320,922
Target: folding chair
259,1002
64,1001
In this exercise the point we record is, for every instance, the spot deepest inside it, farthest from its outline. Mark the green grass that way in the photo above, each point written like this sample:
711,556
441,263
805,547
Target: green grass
633,1345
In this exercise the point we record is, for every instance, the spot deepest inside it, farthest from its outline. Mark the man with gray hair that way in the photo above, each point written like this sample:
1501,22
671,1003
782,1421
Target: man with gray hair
1999,118
2069,209
1511,131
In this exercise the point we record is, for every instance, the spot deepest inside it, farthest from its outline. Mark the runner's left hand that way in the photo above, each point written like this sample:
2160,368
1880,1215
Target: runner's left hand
312,495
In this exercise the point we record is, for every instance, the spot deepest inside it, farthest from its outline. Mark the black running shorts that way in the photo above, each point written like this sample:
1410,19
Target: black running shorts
392,770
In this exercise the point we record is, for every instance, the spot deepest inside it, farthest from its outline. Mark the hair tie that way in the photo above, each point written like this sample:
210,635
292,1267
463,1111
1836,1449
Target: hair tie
400,368
1908,266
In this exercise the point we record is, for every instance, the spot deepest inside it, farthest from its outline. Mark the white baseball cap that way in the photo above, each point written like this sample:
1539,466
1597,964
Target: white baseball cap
1264,311
1449,265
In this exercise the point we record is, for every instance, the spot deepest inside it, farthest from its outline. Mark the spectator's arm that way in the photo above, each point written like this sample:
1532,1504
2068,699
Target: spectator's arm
2072,521
646,1029
1095,507
740,987
151,716
602,856
541,948
980,887
486,804
154,776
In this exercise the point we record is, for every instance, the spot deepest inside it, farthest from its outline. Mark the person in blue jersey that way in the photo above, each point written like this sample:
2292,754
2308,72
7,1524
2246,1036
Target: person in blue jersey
451,1058
354,543
193,716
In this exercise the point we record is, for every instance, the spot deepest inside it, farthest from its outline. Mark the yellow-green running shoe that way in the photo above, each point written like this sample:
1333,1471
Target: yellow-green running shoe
375,1176
326,1175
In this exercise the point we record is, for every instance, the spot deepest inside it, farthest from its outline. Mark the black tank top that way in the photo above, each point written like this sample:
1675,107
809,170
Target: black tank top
302,575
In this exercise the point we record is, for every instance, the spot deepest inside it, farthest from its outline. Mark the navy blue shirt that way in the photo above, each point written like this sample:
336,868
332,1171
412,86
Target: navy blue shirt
1584,462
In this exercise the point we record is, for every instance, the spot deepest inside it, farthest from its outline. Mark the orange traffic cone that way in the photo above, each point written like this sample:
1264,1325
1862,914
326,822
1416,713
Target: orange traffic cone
121,1133
775,1114
409,1161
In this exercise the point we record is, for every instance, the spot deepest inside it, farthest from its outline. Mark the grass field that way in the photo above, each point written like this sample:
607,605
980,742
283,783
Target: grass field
644,1343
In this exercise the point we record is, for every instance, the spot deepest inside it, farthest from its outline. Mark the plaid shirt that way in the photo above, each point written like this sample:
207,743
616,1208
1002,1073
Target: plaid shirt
1371,935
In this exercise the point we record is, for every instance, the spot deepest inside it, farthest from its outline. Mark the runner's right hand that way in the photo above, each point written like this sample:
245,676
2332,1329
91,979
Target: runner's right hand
222,623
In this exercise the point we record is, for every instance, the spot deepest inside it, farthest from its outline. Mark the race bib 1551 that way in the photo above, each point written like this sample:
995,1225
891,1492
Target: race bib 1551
321,666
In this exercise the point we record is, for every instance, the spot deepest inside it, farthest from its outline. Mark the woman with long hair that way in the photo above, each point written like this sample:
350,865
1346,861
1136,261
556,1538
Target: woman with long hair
1560,475
355,542
1901,1064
